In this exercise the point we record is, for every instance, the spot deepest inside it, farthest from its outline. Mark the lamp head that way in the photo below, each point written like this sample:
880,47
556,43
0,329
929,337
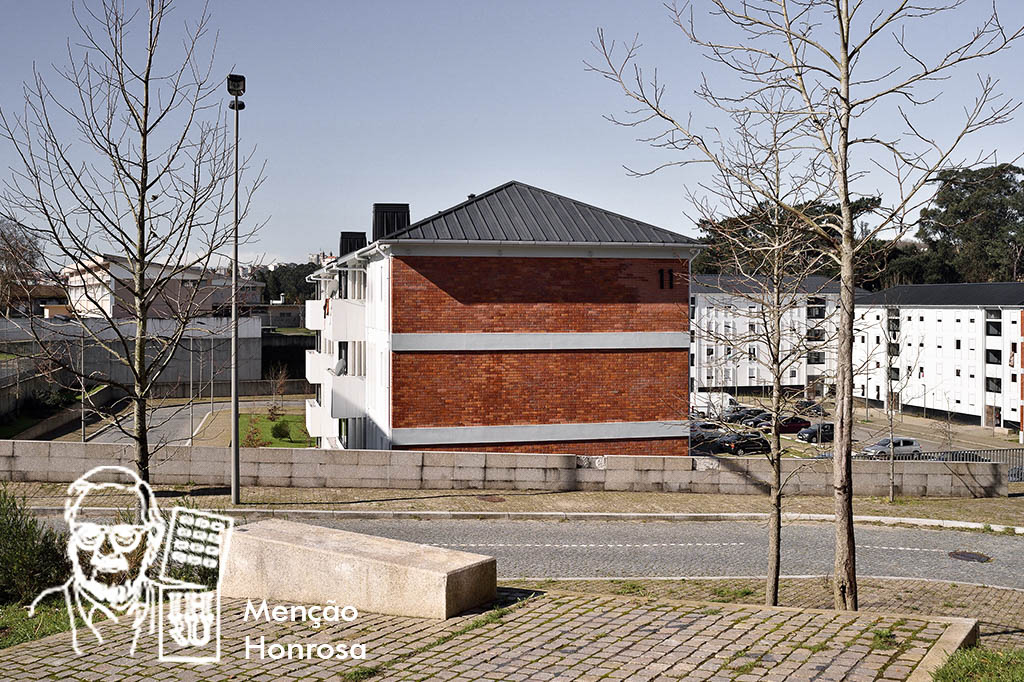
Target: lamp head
236,84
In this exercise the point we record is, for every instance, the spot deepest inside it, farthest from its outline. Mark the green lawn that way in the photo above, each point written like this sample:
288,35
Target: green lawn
294,331
297,423
982,665
16,627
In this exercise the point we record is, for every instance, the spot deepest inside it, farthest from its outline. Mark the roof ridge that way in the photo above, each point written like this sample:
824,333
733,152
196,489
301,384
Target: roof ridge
668,235
604,210
451,209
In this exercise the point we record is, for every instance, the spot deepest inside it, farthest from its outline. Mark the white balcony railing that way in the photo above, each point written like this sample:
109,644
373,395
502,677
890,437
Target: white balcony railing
316,366
346,320
315,315
319,423
348,396
313,413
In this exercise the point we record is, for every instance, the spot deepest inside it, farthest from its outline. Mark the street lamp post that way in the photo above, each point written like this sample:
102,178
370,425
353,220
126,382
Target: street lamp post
236,88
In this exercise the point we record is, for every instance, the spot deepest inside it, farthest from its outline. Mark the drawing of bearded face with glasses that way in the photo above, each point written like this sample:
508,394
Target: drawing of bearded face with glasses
109,560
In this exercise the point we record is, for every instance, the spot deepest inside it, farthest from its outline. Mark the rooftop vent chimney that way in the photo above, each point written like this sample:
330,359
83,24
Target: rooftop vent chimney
351,241
389,218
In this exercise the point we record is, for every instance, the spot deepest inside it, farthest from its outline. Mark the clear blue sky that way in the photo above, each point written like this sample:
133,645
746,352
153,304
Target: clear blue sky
356,102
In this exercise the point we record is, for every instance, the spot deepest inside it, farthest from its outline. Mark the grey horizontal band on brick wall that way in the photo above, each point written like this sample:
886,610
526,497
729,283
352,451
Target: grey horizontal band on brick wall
528,433
539,341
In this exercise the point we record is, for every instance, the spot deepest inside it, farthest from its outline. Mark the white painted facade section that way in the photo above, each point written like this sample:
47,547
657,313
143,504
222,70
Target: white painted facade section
963,360
717,365
524,433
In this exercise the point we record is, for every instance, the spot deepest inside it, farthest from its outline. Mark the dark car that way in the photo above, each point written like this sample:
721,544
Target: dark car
734,416
755,418
811,408
817,433
742,444
704,426
790,424
793,424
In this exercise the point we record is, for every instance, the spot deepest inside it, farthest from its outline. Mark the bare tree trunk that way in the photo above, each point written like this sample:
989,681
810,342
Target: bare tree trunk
771,593
844,585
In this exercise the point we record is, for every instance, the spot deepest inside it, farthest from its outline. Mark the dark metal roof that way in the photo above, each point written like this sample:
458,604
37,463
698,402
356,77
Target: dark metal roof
517,212
969,294
724,284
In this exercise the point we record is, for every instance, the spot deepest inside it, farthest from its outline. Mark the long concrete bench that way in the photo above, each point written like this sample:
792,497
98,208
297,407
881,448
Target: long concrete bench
297,563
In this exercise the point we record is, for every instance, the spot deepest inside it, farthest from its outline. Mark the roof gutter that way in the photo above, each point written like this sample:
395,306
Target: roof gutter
495,242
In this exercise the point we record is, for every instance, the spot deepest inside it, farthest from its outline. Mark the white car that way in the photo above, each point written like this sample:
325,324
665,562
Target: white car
904,448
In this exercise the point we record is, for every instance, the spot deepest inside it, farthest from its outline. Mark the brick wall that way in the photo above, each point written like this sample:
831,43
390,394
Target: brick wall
437,294
528,295
564,387
662,447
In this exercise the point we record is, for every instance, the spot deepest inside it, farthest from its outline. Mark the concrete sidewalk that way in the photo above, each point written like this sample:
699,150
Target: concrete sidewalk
551,636
503,503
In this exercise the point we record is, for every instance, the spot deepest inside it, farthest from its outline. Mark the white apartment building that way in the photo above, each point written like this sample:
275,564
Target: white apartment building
948,348
724,311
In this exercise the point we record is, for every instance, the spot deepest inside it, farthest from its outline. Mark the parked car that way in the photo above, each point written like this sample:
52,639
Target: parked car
735,416
792,424
748,443
817,433
905,448
755,419
704,426
811,408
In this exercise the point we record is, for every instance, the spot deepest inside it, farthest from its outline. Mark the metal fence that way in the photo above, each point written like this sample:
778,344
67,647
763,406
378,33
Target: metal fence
1012,457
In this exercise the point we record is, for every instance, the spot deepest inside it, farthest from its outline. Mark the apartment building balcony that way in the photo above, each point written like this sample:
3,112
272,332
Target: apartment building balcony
316,366
319,423
345,320
340,319
347,395
315,315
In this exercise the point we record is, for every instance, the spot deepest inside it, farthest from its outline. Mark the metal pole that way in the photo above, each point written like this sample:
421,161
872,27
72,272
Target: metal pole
236,494
191,392
81,366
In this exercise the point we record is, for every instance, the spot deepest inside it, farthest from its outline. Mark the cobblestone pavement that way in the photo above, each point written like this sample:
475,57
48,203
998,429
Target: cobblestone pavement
1000,612
551,636
1000,510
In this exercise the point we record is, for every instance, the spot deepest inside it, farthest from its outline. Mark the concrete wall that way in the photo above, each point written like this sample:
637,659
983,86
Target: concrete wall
315,468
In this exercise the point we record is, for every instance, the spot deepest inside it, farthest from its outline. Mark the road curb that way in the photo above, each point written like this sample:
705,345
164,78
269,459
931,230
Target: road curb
582,516
962,632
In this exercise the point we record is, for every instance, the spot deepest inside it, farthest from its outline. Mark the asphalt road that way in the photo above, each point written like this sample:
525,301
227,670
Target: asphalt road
544,549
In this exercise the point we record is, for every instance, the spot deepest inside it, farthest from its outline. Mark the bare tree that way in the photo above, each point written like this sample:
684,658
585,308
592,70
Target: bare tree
19,257
123,177
810,55
766,261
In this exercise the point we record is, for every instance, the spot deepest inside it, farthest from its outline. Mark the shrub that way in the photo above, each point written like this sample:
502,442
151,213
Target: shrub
253,438
33,556
281,431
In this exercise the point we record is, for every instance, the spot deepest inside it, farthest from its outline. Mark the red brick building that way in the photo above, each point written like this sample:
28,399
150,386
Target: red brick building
519,320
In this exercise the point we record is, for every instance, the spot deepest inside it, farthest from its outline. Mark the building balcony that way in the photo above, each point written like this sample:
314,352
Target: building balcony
345,320
316,366
315,315
319,423
348,396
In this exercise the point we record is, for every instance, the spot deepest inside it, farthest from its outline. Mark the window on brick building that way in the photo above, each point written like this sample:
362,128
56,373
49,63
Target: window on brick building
666,278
